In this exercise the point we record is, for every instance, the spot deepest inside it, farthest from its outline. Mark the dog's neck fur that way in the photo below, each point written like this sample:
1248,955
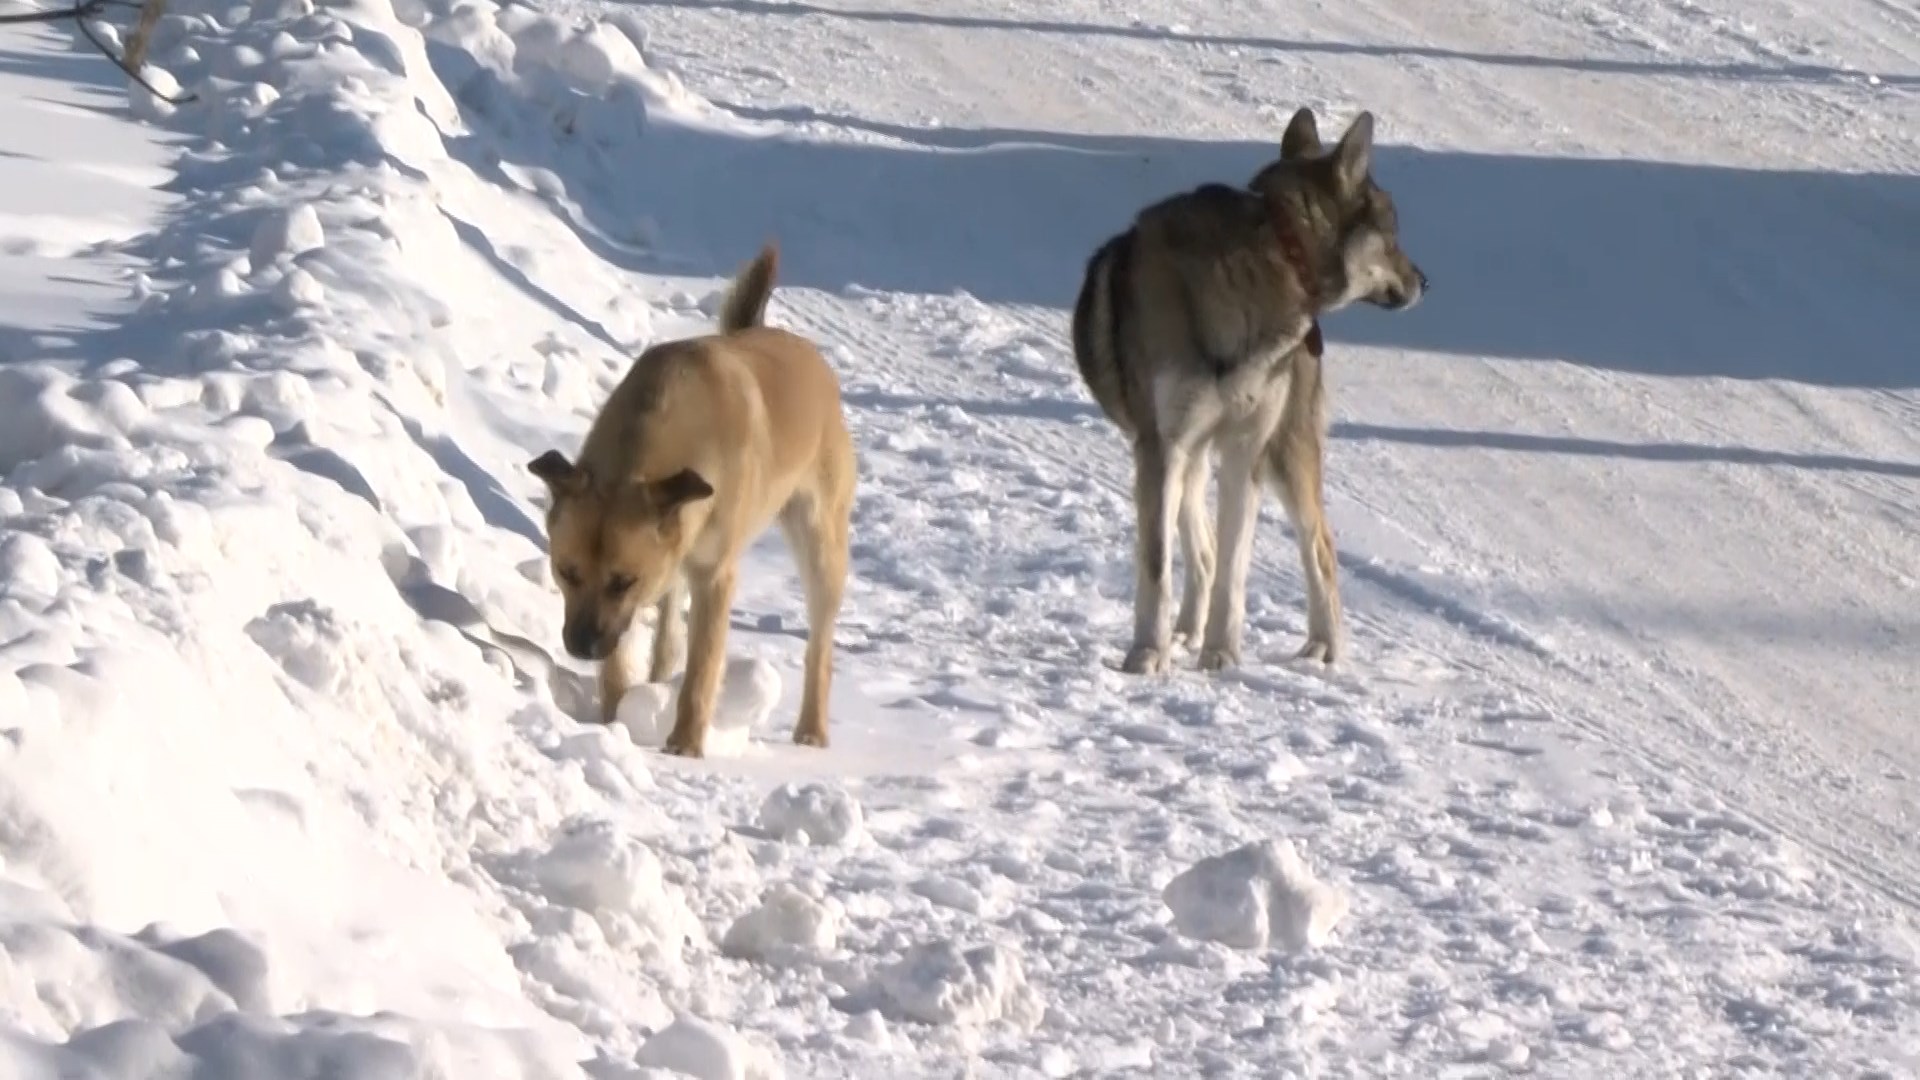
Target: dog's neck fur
1293,249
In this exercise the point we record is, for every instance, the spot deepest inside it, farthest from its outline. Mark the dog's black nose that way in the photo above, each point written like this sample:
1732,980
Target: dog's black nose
582,639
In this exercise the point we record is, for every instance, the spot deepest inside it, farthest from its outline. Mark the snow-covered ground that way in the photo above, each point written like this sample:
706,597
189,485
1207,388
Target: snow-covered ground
1618,777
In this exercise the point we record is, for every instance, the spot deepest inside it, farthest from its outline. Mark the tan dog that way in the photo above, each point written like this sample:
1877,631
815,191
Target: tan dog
704,443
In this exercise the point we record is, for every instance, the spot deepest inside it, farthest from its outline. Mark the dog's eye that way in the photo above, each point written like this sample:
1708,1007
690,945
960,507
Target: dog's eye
570,576
618,584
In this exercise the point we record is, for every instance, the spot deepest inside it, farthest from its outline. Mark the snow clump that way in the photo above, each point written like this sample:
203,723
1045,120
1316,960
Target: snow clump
1255,896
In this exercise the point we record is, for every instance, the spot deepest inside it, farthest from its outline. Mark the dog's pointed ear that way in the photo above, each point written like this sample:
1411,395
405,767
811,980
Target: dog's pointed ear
1353,157
678,490
1302,137
561,476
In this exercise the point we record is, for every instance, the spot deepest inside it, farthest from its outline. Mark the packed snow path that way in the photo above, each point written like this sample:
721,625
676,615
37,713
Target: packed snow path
1617,779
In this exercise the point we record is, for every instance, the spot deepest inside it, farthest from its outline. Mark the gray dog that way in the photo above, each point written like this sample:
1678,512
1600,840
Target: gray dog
1197,330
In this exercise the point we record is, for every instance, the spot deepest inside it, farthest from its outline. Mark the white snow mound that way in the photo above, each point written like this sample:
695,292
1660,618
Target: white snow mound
616,878
749,691
941,983
869,1027
1255,896
295,230
821,813
708,1051
787,924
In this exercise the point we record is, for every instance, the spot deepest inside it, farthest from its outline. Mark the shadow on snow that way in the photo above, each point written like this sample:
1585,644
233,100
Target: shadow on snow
1630,266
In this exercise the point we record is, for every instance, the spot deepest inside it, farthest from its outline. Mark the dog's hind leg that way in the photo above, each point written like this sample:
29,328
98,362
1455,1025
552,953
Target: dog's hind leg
1240,468
1196,546
1294,464
669,632
1160,471
816,532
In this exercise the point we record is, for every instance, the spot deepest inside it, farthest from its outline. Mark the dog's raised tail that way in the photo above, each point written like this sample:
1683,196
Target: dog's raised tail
746,303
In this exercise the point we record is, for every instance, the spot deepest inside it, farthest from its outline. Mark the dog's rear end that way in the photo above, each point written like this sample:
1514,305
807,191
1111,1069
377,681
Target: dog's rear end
745,306
805,424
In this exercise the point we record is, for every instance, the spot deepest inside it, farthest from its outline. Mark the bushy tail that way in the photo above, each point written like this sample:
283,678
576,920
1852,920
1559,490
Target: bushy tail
747,298
1100,316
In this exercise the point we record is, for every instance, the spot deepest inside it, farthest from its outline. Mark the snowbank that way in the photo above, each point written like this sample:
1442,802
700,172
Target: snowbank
275,782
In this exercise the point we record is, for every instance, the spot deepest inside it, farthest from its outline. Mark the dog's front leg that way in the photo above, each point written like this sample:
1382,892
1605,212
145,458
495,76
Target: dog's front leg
706,660
669,631
615,677
1158,474
1240,466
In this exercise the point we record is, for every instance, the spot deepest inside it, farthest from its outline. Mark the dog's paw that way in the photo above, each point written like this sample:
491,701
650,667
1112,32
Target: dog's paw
1190,627
687,746
1145,660
1321,649
1219,658
808,736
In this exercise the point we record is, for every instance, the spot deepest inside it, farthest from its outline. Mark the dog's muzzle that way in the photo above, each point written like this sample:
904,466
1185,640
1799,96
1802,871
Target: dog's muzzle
1397,298
584,641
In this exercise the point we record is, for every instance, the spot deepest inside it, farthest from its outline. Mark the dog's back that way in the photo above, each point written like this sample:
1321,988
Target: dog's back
1196,287
689,402
797,393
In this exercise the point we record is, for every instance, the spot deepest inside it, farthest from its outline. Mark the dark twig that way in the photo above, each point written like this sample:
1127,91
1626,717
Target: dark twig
80,12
